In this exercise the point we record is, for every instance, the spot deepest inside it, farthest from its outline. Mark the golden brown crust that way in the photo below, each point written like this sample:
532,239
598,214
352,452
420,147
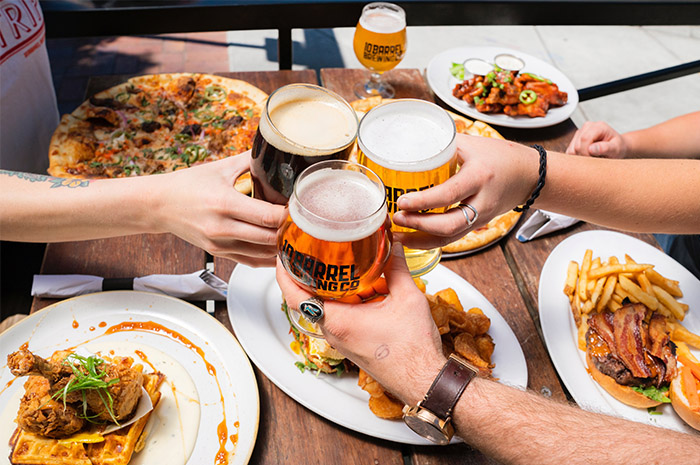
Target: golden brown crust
624,394
680,404
495,229
116,449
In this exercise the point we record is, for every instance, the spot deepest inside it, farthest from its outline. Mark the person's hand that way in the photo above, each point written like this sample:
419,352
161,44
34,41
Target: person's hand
495,176
200,205
598,139
394,340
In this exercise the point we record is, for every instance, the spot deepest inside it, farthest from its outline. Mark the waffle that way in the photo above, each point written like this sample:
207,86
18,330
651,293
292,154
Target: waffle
31,449
116,449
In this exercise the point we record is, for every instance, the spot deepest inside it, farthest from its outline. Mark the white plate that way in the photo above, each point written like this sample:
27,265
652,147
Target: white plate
55,328
442,82
559,328
254,308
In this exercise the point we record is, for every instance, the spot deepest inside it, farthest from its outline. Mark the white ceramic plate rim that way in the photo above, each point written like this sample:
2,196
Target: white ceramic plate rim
559,329
442,82
254,307
51,329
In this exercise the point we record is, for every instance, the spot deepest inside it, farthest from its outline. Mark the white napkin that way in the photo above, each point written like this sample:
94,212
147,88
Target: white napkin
543,222
186,286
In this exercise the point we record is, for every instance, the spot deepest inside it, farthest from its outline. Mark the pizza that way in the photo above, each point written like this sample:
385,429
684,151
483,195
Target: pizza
156,124
480,237
498,226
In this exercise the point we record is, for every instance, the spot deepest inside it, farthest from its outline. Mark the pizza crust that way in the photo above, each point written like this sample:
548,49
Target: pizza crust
494,230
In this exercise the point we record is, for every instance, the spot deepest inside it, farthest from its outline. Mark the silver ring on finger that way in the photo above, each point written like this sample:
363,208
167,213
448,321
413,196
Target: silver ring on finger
465,207
312,309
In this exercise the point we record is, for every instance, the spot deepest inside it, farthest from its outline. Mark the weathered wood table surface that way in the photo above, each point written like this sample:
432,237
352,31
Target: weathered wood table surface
507,274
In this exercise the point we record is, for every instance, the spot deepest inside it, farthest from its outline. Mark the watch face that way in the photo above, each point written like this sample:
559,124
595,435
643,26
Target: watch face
426,429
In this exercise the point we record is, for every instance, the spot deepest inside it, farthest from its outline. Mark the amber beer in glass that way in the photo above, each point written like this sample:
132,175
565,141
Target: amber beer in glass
301,124
335,241
379,45
411,144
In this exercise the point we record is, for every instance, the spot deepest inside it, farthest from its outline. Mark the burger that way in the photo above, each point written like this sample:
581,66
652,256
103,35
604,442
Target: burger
685,388
319,356
631,355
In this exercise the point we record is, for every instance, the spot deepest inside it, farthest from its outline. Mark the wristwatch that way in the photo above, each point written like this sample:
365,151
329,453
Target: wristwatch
432,417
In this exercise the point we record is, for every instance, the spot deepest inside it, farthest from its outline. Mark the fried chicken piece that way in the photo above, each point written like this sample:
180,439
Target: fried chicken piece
548,92
40,414
124,395
23,362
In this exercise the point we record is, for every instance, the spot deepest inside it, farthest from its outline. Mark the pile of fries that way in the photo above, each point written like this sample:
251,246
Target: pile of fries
596,286
463,332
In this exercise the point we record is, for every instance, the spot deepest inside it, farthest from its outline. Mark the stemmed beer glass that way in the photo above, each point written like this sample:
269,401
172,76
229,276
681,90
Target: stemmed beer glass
379,44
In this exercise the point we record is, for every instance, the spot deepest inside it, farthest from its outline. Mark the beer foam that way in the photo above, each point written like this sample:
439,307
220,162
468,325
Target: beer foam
408,135
308,121
338,205
383,21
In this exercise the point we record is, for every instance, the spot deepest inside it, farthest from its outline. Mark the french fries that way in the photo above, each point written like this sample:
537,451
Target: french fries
597,286
681,334
604,285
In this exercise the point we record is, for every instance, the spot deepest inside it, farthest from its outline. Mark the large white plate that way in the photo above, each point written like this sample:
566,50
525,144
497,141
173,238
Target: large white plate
442,82
559,328
55,328
254,308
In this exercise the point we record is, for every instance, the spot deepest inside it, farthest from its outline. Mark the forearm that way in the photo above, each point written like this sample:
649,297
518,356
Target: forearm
519,427
636,195
39,208
676,138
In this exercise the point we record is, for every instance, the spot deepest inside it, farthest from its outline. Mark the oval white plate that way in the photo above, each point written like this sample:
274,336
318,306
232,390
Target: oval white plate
52,329
559,328
442,82
254,308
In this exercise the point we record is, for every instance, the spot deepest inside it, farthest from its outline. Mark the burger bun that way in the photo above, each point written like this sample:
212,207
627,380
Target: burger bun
680,403
624,394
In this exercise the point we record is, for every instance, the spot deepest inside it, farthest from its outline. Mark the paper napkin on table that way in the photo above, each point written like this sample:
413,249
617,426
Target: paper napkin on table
184,286
543,222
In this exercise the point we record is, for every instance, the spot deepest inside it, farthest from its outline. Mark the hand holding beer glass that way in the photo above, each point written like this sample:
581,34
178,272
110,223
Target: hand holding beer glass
412,146
335,242
379,44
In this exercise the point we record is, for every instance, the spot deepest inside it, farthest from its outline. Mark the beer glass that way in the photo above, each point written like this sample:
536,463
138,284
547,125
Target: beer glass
301,124
411,144
335,241
379,44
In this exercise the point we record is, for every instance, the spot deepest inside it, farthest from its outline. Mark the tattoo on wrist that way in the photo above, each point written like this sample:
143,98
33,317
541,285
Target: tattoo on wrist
381,352
55,182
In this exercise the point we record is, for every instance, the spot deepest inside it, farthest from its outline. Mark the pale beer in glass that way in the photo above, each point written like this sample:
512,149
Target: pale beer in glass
379,45
335,242
411,145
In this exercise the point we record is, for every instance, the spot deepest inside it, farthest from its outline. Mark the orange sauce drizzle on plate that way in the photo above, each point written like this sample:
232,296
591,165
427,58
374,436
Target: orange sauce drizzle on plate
221,457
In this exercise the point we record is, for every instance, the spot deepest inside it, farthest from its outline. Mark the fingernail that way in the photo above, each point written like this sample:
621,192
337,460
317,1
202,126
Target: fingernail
397,248
400,216
404,201
594,149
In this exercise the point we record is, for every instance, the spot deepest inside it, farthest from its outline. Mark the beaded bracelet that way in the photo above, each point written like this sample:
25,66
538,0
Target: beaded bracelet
540,180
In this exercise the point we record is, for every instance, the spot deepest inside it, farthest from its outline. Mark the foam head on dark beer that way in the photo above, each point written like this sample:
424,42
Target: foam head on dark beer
308,121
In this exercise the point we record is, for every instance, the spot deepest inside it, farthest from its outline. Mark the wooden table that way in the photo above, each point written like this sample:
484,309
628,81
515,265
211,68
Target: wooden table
507,274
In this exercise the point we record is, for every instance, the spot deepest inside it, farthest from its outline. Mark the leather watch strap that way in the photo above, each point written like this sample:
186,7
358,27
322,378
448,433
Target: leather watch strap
449,384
